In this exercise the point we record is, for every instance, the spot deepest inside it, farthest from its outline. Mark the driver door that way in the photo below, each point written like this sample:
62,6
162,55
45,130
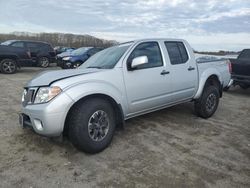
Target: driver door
148,85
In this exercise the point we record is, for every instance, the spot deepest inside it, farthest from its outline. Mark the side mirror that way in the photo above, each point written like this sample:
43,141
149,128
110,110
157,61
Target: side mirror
141,60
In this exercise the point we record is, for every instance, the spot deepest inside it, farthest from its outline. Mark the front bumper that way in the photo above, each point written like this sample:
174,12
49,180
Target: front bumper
64,64
47,119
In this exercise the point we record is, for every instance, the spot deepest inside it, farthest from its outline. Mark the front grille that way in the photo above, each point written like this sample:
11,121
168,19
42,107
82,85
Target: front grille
29,96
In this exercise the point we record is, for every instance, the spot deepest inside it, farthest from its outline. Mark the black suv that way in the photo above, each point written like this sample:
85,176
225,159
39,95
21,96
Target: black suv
42,53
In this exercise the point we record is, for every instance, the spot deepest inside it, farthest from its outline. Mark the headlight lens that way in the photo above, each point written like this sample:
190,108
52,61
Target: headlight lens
66,58
45,94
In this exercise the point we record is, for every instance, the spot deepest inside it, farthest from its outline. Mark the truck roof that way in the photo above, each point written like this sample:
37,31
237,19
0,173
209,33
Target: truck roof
159,39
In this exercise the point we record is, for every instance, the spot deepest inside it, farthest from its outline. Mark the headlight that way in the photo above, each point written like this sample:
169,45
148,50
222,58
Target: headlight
45,94
66,58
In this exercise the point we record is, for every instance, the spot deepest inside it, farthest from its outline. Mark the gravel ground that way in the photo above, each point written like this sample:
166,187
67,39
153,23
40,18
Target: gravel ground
168,148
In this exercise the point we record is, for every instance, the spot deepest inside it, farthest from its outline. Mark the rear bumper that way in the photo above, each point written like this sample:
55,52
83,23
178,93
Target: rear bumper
241,79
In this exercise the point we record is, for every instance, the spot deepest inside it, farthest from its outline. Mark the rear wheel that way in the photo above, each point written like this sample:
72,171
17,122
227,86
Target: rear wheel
91,125
207,104
43,62
8,66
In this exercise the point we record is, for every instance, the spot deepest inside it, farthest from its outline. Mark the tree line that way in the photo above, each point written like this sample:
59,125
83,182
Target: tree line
60,39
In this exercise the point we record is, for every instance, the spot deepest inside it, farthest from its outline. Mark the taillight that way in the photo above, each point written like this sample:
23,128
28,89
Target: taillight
230,66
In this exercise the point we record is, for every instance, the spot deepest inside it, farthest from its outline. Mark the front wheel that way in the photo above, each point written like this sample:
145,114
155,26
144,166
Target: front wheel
91,125
43,62
8,66
207,104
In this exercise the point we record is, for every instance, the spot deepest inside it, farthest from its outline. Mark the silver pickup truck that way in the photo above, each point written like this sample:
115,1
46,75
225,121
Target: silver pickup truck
119,83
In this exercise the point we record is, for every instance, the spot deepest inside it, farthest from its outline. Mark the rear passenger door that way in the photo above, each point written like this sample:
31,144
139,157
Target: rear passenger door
183,71
33,47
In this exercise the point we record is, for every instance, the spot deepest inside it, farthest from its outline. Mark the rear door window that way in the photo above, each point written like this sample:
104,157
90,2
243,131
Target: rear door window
32,45
177,52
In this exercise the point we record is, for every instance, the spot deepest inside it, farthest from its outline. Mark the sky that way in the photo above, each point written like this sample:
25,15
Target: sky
208,25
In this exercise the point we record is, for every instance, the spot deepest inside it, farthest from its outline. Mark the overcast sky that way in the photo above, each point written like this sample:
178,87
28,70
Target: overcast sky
206,24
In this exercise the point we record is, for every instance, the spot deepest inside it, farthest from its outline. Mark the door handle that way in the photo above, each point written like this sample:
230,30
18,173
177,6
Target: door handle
164,72
191,68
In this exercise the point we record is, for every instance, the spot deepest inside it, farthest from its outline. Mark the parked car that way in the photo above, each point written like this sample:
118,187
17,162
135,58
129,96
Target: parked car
241,69
12,58
61,49
42,53
119,83
60,56
76,57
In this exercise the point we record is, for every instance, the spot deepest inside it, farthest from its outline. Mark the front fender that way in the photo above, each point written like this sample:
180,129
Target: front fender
82,90
204,77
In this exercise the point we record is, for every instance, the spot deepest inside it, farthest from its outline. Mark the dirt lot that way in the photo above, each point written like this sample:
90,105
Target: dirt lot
169,148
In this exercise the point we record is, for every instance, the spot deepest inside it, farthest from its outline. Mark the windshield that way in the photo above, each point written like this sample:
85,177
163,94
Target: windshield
106,59
80,51
8,42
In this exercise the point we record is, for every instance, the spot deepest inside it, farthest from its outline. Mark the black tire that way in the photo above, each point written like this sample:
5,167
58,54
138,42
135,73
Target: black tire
8,66
43,62
80,130
207,104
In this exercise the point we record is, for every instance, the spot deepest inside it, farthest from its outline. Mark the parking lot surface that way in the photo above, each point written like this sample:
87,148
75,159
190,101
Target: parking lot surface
168,148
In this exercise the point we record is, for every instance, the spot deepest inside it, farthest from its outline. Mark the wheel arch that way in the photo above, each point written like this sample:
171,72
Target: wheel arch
211,79
117,109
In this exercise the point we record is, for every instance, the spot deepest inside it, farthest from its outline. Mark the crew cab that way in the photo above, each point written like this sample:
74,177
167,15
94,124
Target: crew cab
119,83
241,69
12,58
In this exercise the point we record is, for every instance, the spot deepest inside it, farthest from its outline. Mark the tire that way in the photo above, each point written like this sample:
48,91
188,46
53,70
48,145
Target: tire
86,130
8,66
207,104
43,62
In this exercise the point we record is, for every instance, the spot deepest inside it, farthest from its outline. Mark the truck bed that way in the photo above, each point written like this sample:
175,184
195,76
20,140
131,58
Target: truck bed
220,65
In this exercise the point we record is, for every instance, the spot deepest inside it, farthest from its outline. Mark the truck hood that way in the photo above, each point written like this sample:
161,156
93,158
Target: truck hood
47,77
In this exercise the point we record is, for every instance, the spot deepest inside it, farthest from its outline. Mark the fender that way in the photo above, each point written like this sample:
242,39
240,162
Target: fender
204,77
81,90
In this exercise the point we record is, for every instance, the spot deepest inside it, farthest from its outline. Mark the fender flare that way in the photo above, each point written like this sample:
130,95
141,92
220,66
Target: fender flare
203,79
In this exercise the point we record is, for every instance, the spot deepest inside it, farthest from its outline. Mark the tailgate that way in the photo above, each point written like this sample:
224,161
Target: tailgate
240,67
